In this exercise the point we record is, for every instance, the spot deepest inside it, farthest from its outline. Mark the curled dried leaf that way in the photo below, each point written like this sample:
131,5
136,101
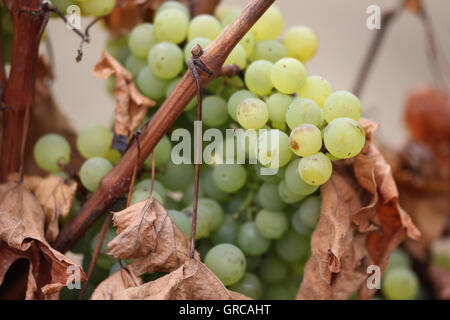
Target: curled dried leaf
131,105
118,282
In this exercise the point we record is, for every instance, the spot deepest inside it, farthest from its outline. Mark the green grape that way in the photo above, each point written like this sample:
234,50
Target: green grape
400,284
317,89
181,221
147,185
273,270
305,140
118,48
177,177
288,75
344,138
236,99
150,85
270,50
172,85
227,262
301,43
188,195
104,260
230,178
173,5
205,26
134,65
162,151
171,25
238,57
92,172
250,286
398,258
253,262
51,151
227,233
270,25
94,141
309,212
211,189
269,198
97,8
113,156
215,212
342,104
287,195
230,16
278,105
298,226
252,114
295,182
140,195
215,111
203,42
165,60
277,292
274,151
258,77
271,225
250,242
248,42
292,247
315,169
203,222
141,40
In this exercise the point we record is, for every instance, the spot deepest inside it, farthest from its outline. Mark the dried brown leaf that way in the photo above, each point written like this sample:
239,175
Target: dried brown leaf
147,235
118,282
131,105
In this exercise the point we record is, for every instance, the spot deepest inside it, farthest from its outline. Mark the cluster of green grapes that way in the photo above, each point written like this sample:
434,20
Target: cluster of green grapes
253,230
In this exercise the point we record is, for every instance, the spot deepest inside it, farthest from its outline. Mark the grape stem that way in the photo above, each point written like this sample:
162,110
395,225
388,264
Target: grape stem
115,183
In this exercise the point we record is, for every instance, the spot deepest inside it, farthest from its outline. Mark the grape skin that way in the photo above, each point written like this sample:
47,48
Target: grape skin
315,169
227,262
305,140
51,151
92,172
288,75
344,138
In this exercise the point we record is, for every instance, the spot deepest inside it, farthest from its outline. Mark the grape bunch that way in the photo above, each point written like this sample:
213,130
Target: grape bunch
253,228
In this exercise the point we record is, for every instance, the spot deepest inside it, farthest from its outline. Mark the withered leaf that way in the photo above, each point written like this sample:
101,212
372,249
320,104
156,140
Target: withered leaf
118,282
22,223
147,235
55,197
131,105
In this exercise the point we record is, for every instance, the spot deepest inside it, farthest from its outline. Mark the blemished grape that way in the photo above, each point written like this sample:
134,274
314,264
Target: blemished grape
162,151
181,221
316,169
236,99
150,85
274,151
250,242
278,105
270,50
177,177
92,172
398,258
252,113
203,222
227,262
51,152
104,260
134,65
303,111
287,195
269,198
141,195
203,42
295,182
342,104
230,178
288,75
215,212
94,141
301,43
271,225
215,111
238,57
248,42
316,88
273,270
292,247
344,138
205,26
249,285
165,60
227,233
270,25
258,77
171,25
309,211
173,5
97,8
400,284
141,40
305,140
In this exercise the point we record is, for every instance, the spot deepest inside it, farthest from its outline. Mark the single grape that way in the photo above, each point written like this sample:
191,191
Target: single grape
278,105
271,225
295,182
176,177
227,262
288,75
181,221
309,212
94,141
292,247
150,85
227,233
173,5
165,60
205,26
269,198
215,111
274,150
171,25
230,178
211,189
238,57
317,89
203,42
344,138
215,212
400,284
162,151
273,270
301,43
248,42
342,104
305,140
287,195
51,152
141,40
250,242
258,77
252,113
92,172
134,65
316,169
203,222
97,8
104,260
236,99
250,286
270,25
270,50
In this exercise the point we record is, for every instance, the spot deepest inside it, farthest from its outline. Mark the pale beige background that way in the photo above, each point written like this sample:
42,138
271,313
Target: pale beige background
344,37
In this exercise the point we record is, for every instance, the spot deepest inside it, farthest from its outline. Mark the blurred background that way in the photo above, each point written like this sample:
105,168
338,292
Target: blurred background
344,38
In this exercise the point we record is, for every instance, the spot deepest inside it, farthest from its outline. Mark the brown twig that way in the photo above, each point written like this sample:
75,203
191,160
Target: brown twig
117,181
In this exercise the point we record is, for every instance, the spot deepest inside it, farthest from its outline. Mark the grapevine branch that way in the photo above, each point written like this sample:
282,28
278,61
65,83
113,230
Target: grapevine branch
117,181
